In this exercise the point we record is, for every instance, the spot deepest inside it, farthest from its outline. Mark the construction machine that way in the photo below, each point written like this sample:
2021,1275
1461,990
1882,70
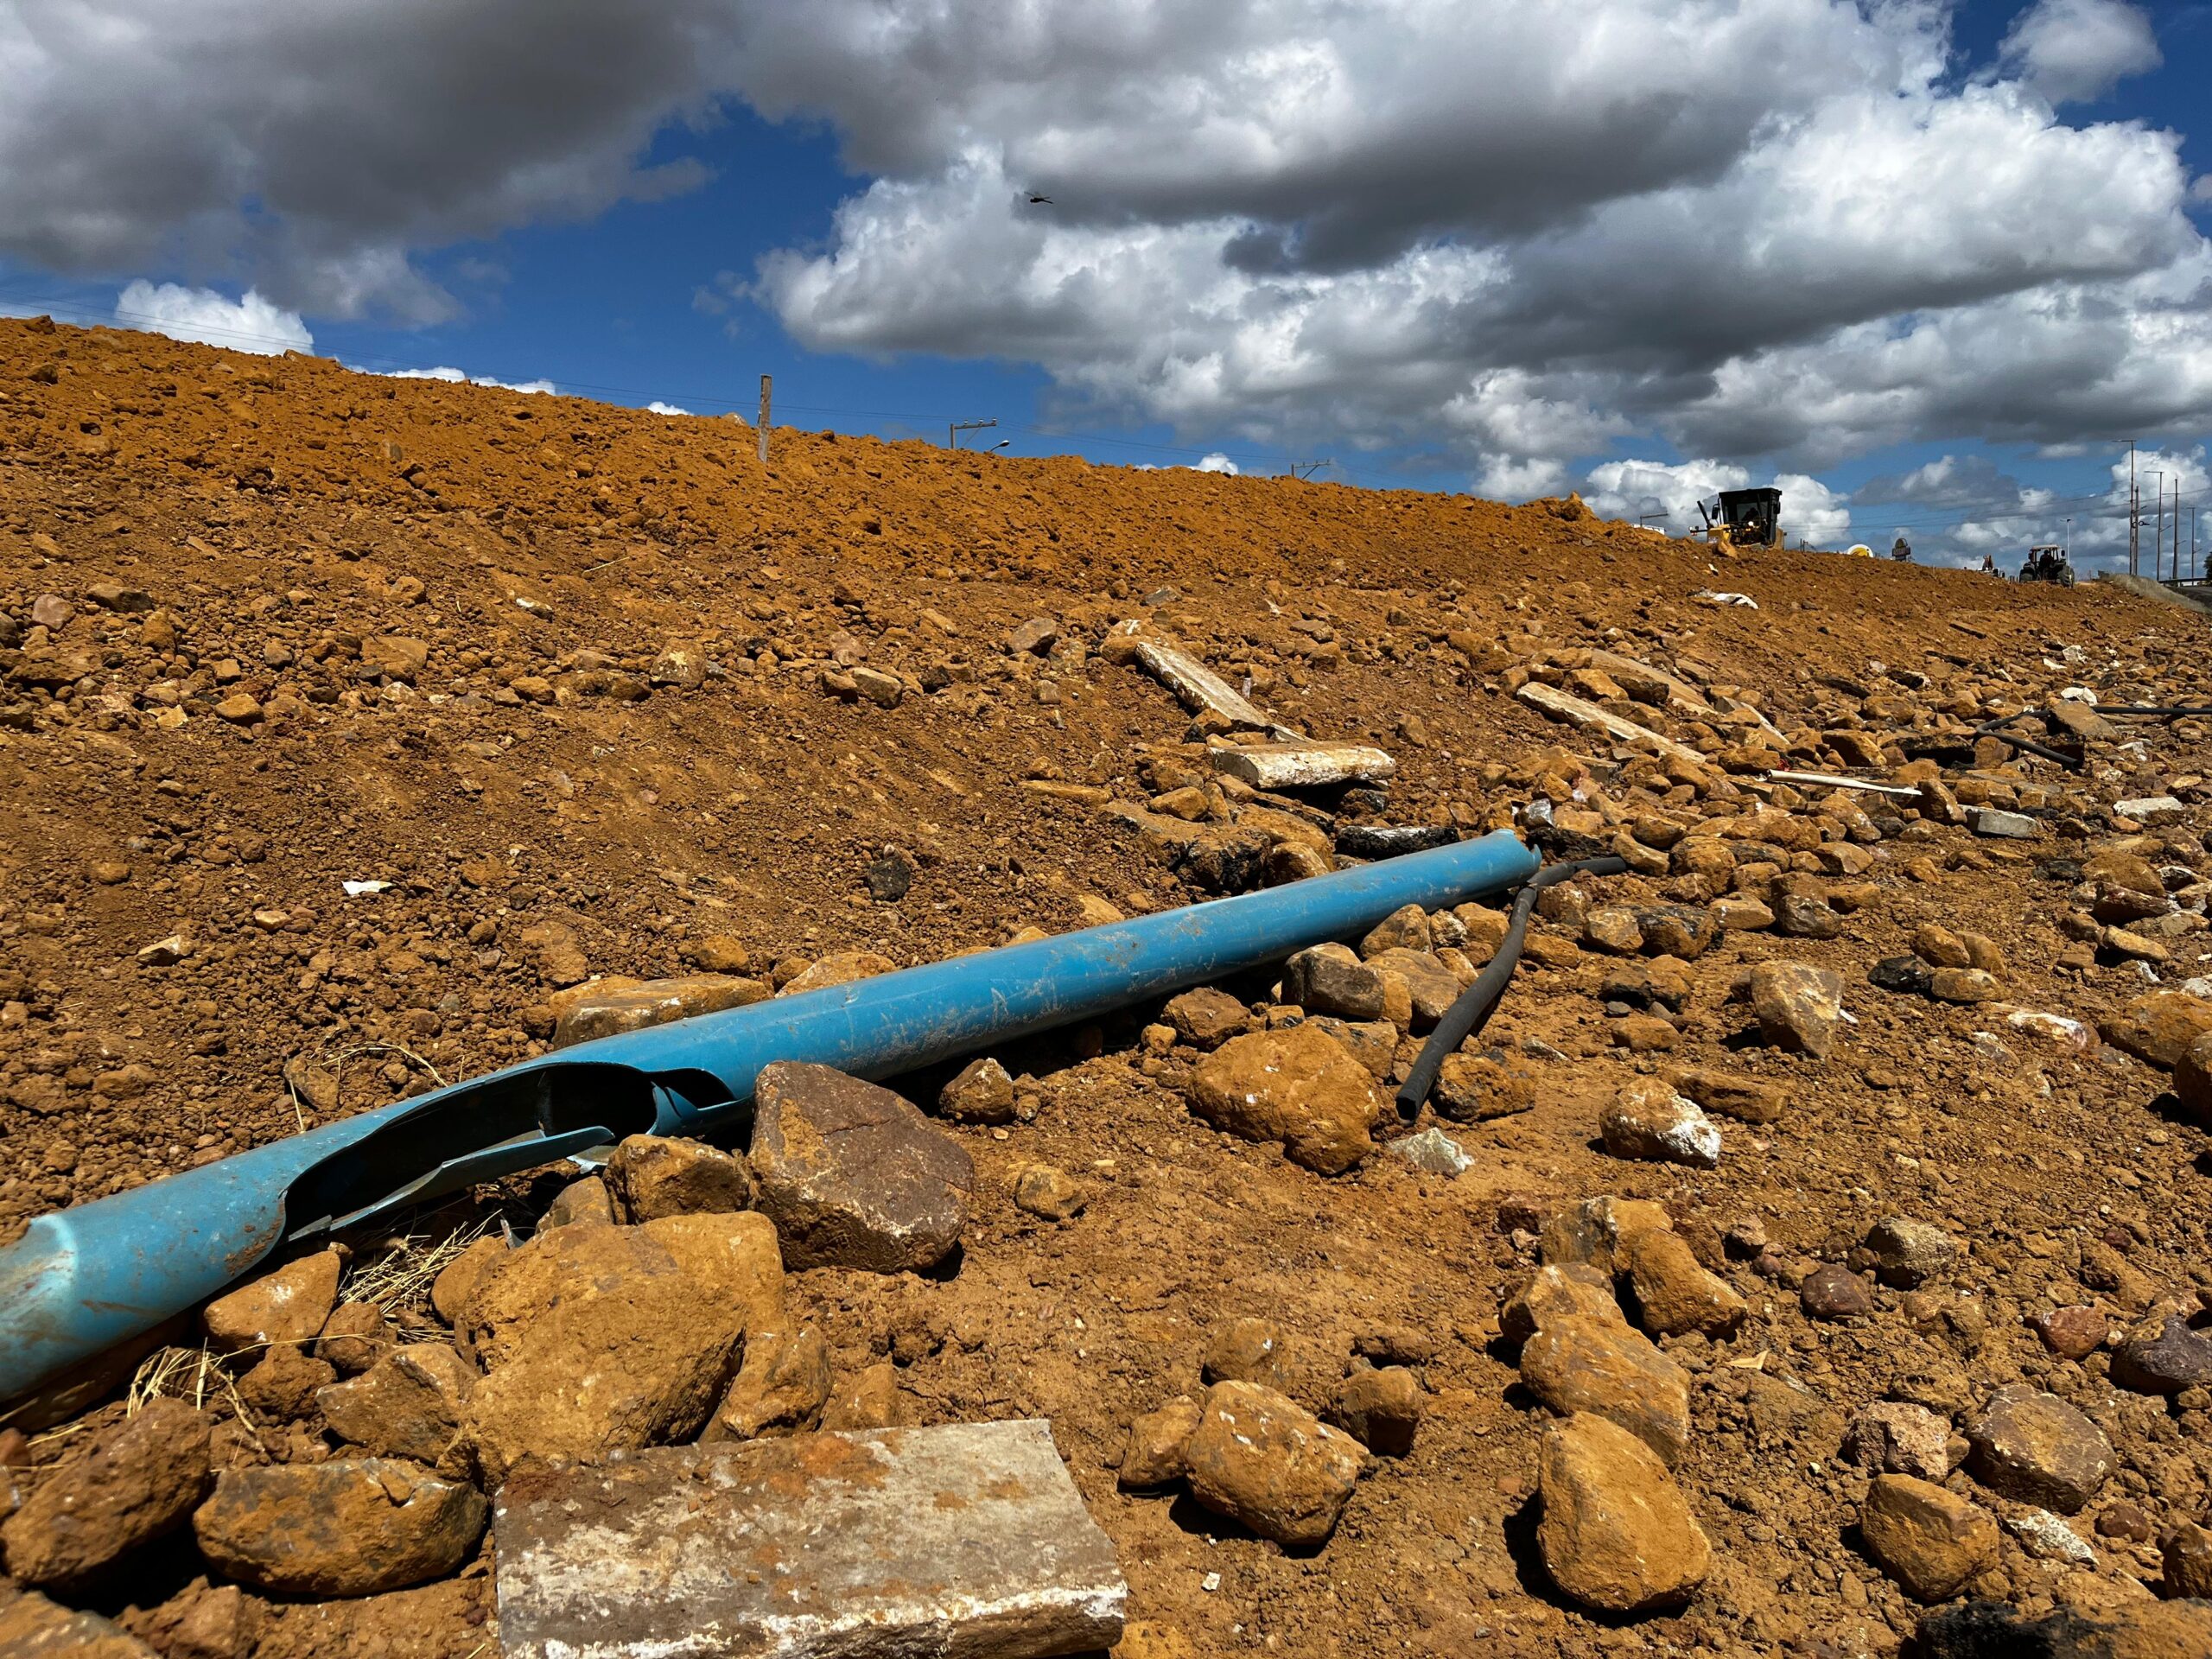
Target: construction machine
1743,518
2048,563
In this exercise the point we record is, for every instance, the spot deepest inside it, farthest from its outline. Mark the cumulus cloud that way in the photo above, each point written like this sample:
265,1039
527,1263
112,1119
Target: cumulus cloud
460,377
658,408
1668,492
2078,50
1215,462
249,323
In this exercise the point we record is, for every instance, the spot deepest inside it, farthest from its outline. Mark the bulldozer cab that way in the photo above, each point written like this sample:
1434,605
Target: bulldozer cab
2048,563
1745,518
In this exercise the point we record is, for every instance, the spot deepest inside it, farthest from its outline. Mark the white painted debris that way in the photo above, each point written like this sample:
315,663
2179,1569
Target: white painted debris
1198,688
969,1539
1564,705
2150,808
1707,596
2044,1535
1303,765
356,889
1433,1151
2054,1028
1834,780
2078,694
2009,826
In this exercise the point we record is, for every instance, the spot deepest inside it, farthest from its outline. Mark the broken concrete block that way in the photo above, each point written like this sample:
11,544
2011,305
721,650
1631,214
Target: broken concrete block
1304,765
1588,717
1200,688
969,1539
2010,826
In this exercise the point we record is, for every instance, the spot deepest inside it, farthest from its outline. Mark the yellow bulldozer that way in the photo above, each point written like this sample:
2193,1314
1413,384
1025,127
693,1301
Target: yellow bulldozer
1738,518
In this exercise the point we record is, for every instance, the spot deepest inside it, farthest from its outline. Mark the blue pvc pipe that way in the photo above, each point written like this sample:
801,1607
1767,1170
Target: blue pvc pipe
85,1280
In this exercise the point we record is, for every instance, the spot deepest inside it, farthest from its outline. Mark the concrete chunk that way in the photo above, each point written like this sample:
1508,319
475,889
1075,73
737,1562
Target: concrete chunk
1198,688
969,1539
1564,705
1304,765
2011,826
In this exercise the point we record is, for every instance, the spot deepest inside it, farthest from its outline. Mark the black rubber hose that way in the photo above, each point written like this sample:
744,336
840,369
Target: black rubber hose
1468,1015
1996,728
2140,708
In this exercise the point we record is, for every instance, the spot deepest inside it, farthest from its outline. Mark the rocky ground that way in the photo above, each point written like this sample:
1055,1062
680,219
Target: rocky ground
1828,1269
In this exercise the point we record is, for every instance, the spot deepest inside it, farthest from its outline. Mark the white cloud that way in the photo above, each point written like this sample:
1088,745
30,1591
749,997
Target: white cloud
1812,515
657,407
1215,462
1641,489
249,323
459,377
2078,50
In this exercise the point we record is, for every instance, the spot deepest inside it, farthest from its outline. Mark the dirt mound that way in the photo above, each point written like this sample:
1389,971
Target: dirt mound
567,690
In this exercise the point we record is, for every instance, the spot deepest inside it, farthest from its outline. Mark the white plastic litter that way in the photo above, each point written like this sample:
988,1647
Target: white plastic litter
357,889
1708,596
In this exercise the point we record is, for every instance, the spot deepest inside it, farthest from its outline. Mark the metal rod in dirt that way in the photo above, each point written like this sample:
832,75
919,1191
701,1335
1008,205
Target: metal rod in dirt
83,1281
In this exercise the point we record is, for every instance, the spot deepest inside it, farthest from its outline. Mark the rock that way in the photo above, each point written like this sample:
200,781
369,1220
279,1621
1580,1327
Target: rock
238,709
458,1279
1799,1007
1380,1408
852,1175
354,1337
2046,1537
1570,1290
781,1389
283,1383
2011,826
1297,1086
1835,1292
586,1202
1431,987
1805,916
2162,1355
1908,1253
1404,929
884,690
1048,1192
2072,1332
138,1480
981,1093
1674,1294
52,611
2137,1628
1931,1541
346,1528
395,655
1329,979
1580,1363
1591,1230
2158,1029
1244,1351
1476,1088
719,953
2193,1080
1270,1465
1745,1099
1158,1444
964,1542
1615,1532
1431,1152
32,1627
1206,1018
651,1175
589,1012
595,1339
1036,635
1648,1120
2185,1553
841,969
411,1403
2150,808
2036,1448
872,1399
1613,928
1892,1437
287,1306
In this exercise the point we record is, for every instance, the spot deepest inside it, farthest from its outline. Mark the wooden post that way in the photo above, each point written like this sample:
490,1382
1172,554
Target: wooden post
764,420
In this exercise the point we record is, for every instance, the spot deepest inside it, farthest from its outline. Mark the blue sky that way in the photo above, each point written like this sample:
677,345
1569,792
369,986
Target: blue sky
1928,266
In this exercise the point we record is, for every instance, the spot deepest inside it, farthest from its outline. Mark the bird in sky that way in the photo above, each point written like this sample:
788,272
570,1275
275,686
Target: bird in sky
1040,202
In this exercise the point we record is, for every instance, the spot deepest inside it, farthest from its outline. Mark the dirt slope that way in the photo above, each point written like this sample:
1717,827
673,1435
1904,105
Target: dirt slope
576,681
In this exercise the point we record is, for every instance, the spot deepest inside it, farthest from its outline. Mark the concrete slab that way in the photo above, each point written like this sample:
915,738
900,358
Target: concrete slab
1198,688
969,1540
1564,705
1303,764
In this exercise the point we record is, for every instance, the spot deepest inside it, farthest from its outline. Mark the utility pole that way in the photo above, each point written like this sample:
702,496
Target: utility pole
764,420
953,431
2158,526
1303,469
2134,509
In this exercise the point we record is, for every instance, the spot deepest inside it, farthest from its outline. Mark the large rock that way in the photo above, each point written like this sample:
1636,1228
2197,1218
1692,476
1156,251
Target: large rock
458,1279
852,1175
2137,1628
1474,1088
410,1404
1296,1086
1799,1007
1159,1443
2035,1448
2161,1354
1592,1231
596,1339
1431,987
1894,1437
1615,1532
1268,1464
1909,1253
1931,1541
609,1009
1675,1293
1206,1018
347,1528
1329,979
841,968
137,1481
1565,1291
1380,1407
287,1306
654,1175
1607,1368
2158,1029
781,1389
32,1627
982,1092
1648,1120
1745,1099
